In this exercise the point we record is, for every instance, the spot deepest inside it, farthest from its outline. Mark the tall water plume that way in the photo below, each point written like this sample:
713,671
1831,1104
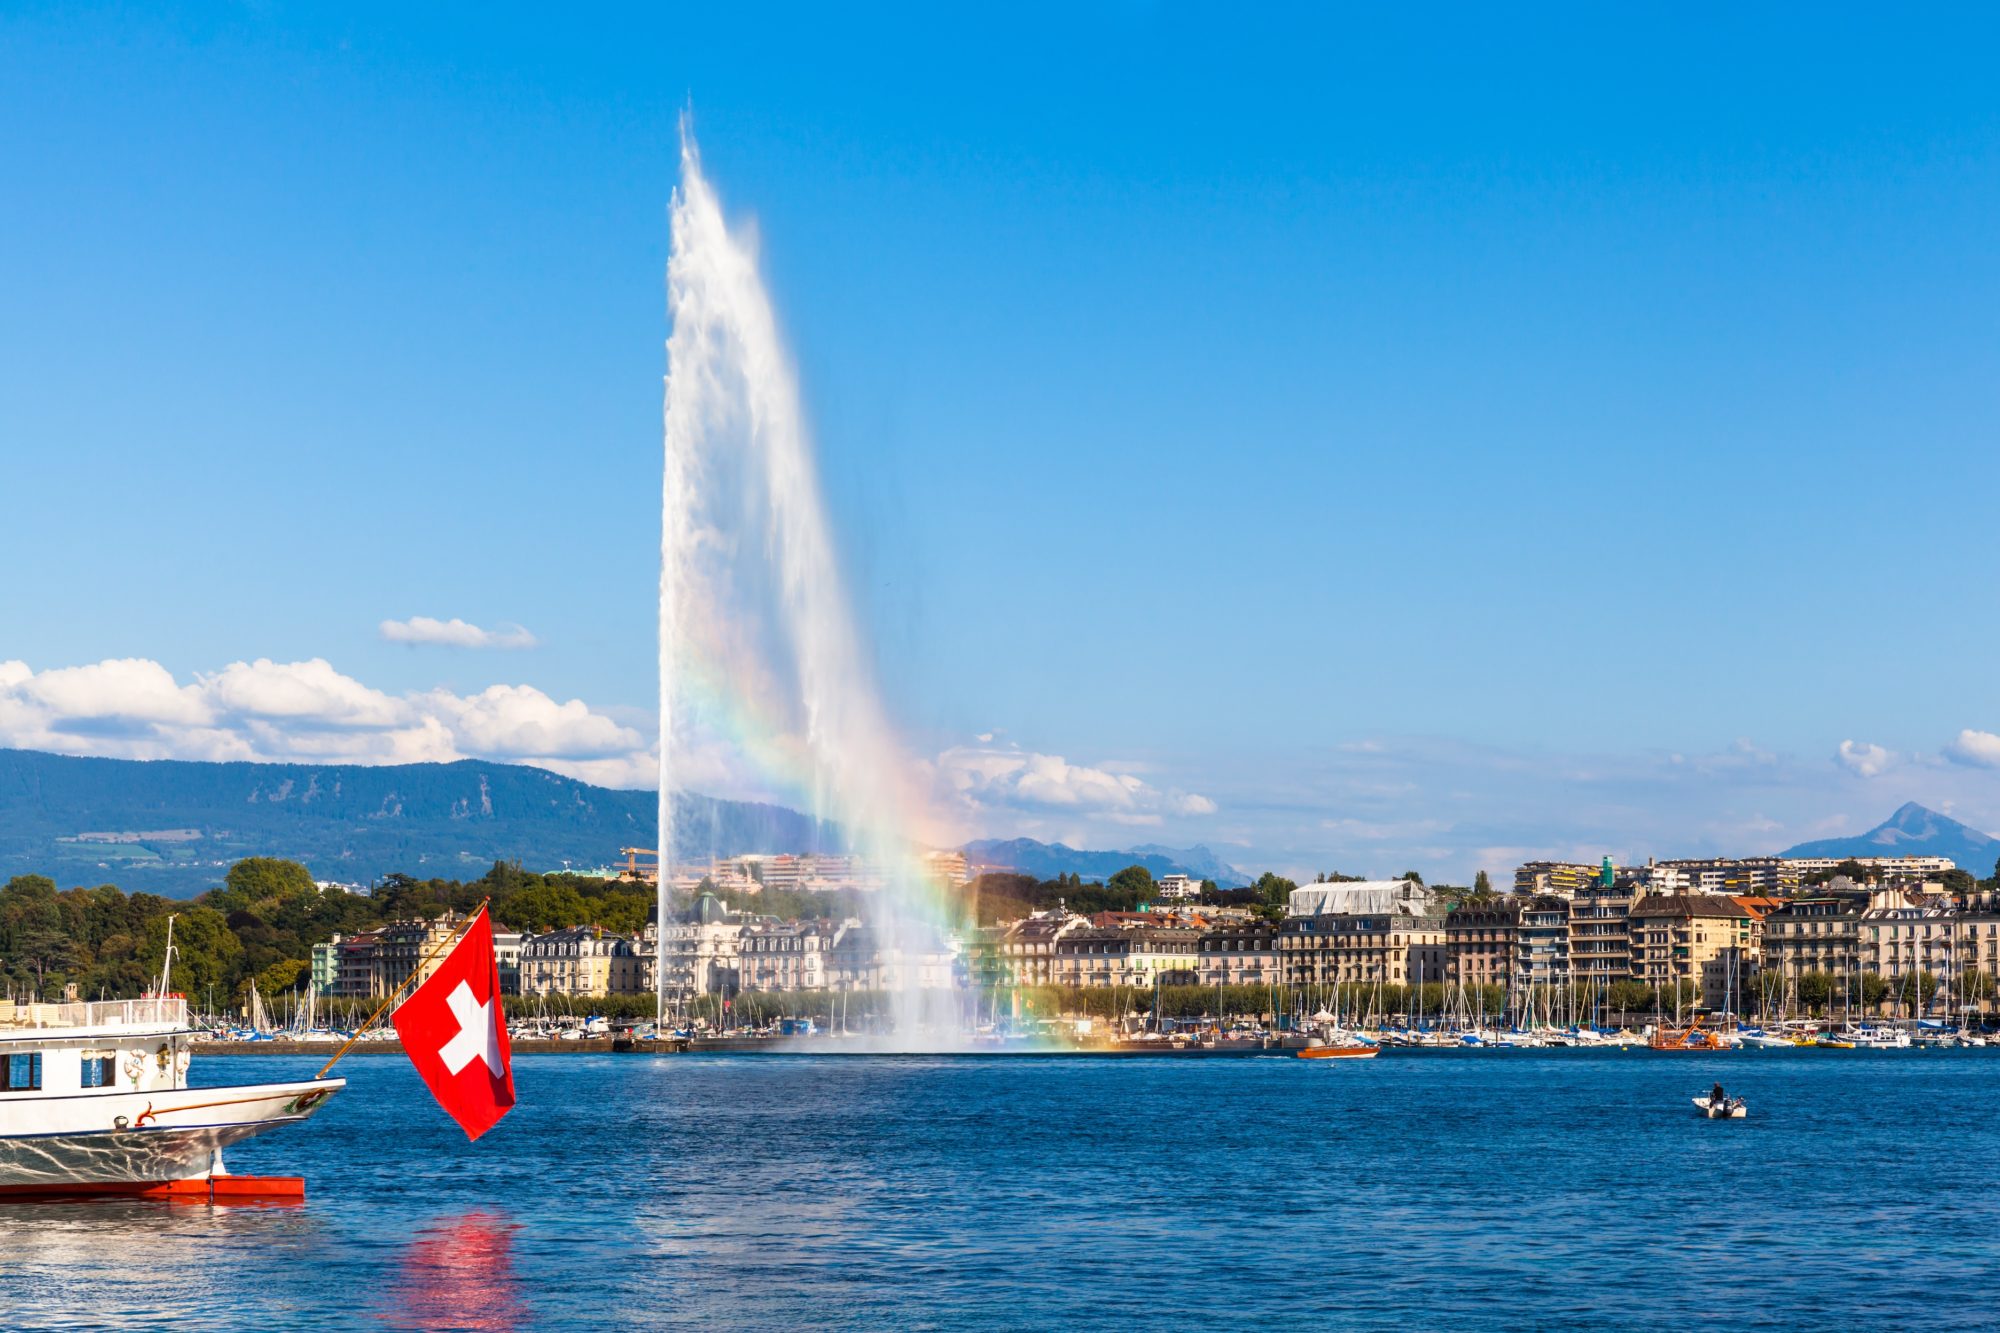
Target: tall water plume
763,675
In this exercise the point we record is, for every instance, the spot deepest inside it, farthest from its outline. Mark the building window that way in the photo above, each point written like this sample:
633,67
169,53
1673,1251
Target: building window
21,1073
100,1071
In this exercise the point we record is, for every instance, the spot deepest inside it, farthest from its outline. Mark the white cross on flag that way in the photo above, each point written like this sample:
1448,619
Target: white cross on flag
456,1036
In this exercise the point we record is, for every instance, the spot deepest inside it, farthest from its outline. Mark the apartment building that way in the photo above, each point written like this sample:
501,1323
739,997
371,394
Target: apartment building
575,961
1243,954
1132,956
1480,941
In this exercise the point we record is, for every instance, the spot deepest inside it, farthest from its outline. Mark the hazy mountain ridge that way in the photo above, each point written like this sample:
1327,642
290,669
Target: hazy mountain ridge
1914,830
174,826
1046,860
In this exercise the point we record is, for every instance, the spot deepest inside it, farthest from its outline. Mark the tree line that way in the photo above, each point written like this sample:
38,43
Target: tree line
260,925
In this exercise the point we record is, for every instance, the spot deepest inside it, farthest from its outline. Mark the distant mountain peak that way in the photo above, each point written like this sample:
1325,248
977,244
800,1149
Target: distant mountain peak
1913,830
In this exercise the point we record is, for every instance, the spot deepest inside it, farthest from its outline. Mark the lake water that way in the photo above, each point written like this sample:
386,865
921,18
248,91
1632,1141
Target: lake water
1462,1190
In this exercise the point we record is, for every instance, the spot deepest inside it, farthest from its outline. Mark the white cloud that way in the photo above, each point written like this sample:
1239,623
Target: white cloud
309,692
519,721
1978,748
455,633
1863,759
307,711
989,777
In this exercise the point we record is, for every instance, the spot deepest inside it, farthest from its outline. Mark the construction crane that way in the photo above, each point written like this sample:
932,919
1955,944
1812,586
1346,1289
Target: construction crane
634,871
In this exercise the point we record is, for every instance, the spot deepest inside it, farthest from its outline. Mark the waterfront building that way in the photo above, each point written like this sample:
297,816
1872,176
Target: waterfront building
1238,955
1930,933
787,955
701,952
373,963
635,970
1179,889
858,959
507,956
575,961
1394,938
1600,936
1541,943
1480,940
1817,932
1021,954
1362,896
1705,938
354,965
325,964
1133,956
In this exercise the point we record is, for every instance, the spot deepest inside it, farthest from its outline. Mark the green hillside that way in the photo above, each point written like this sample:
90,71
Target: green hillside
175,828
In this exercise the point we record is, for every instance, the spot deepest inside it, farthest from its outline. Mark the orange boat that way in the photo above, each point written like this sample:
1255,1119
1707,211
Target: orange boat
1356,1052
1694,1037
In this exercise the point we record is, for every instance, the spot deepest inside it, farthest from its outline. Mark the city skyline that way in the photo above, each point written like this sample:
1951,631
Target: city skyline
1459,450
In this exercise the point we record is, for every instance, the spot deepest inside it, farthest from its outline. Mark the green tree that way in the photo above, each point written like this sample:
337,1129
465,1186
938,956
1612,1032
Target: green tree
1873,989
1916,990
1133,884
286,975
542,908
1273,890
36,949
206,951
1413,877
260,879
1630,997
1815,990
1482,887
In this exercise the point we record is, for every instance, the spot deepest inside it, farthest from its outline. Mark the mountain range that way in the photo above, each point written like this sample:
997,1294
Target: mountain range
1046,860
174,827
1914,830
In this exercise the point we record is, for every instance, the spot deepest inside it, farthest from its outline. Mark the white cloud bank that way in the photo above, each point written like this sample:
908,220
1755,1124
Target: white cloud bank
307,711
1981,749
1009,778
455,633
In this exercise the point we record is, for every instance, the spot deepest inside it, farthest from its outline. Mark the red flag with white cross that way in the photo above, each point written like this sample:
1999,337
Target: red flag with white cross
455,1034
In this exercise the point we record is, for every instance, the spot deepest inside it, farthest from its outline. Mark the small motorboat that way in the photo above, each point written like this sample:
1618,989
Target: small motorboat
1357,1051
1732,1109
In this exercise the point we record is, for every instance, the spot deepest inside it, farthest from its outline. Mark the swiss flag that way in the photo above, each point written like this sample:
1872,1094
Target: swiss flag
456,1036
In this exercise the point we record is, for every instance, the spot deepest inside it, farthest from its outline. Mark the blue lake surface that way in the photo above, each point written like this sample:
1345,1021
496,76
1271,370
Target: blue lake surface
1427,1190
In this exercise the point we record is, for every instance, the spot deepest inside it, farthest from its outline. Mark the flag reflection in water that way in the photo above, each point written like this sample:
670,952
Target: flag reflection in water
458,1273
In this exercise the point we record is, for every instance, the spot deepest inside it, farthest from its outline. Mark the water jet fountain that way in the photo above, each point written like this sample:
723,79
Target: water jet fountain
761,664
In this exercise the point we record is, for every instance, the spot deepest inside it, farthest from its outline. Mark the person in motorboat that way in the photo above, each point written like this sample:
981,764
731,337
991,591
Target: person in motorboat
1716,1097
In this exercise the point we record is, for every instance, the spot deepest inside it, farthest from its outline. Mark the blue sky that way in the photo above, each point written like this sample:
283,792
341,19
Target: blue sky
1432,438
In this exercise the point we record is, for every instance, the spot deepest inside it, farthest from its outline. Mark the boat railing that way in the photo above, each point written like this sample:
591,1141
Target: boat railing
170,1010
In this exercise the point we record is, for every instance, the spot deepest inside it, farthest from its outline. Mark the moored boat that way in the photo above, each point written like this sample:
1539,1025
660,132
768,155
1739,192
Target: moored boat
94,1099
1694,1037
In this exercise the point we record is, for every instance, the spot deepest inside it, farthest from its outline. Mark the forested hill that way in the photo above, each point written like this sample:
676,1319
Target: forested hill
174,828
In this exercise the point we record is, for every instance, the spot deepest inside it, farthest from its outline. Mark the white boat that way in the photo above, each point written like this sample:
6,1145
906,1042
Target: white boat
1766,1041
94,1099
1733,1109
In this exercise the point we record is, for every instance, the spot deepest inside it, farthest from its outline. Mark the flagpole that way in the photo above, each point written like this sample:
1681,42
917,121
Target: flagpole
415,972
